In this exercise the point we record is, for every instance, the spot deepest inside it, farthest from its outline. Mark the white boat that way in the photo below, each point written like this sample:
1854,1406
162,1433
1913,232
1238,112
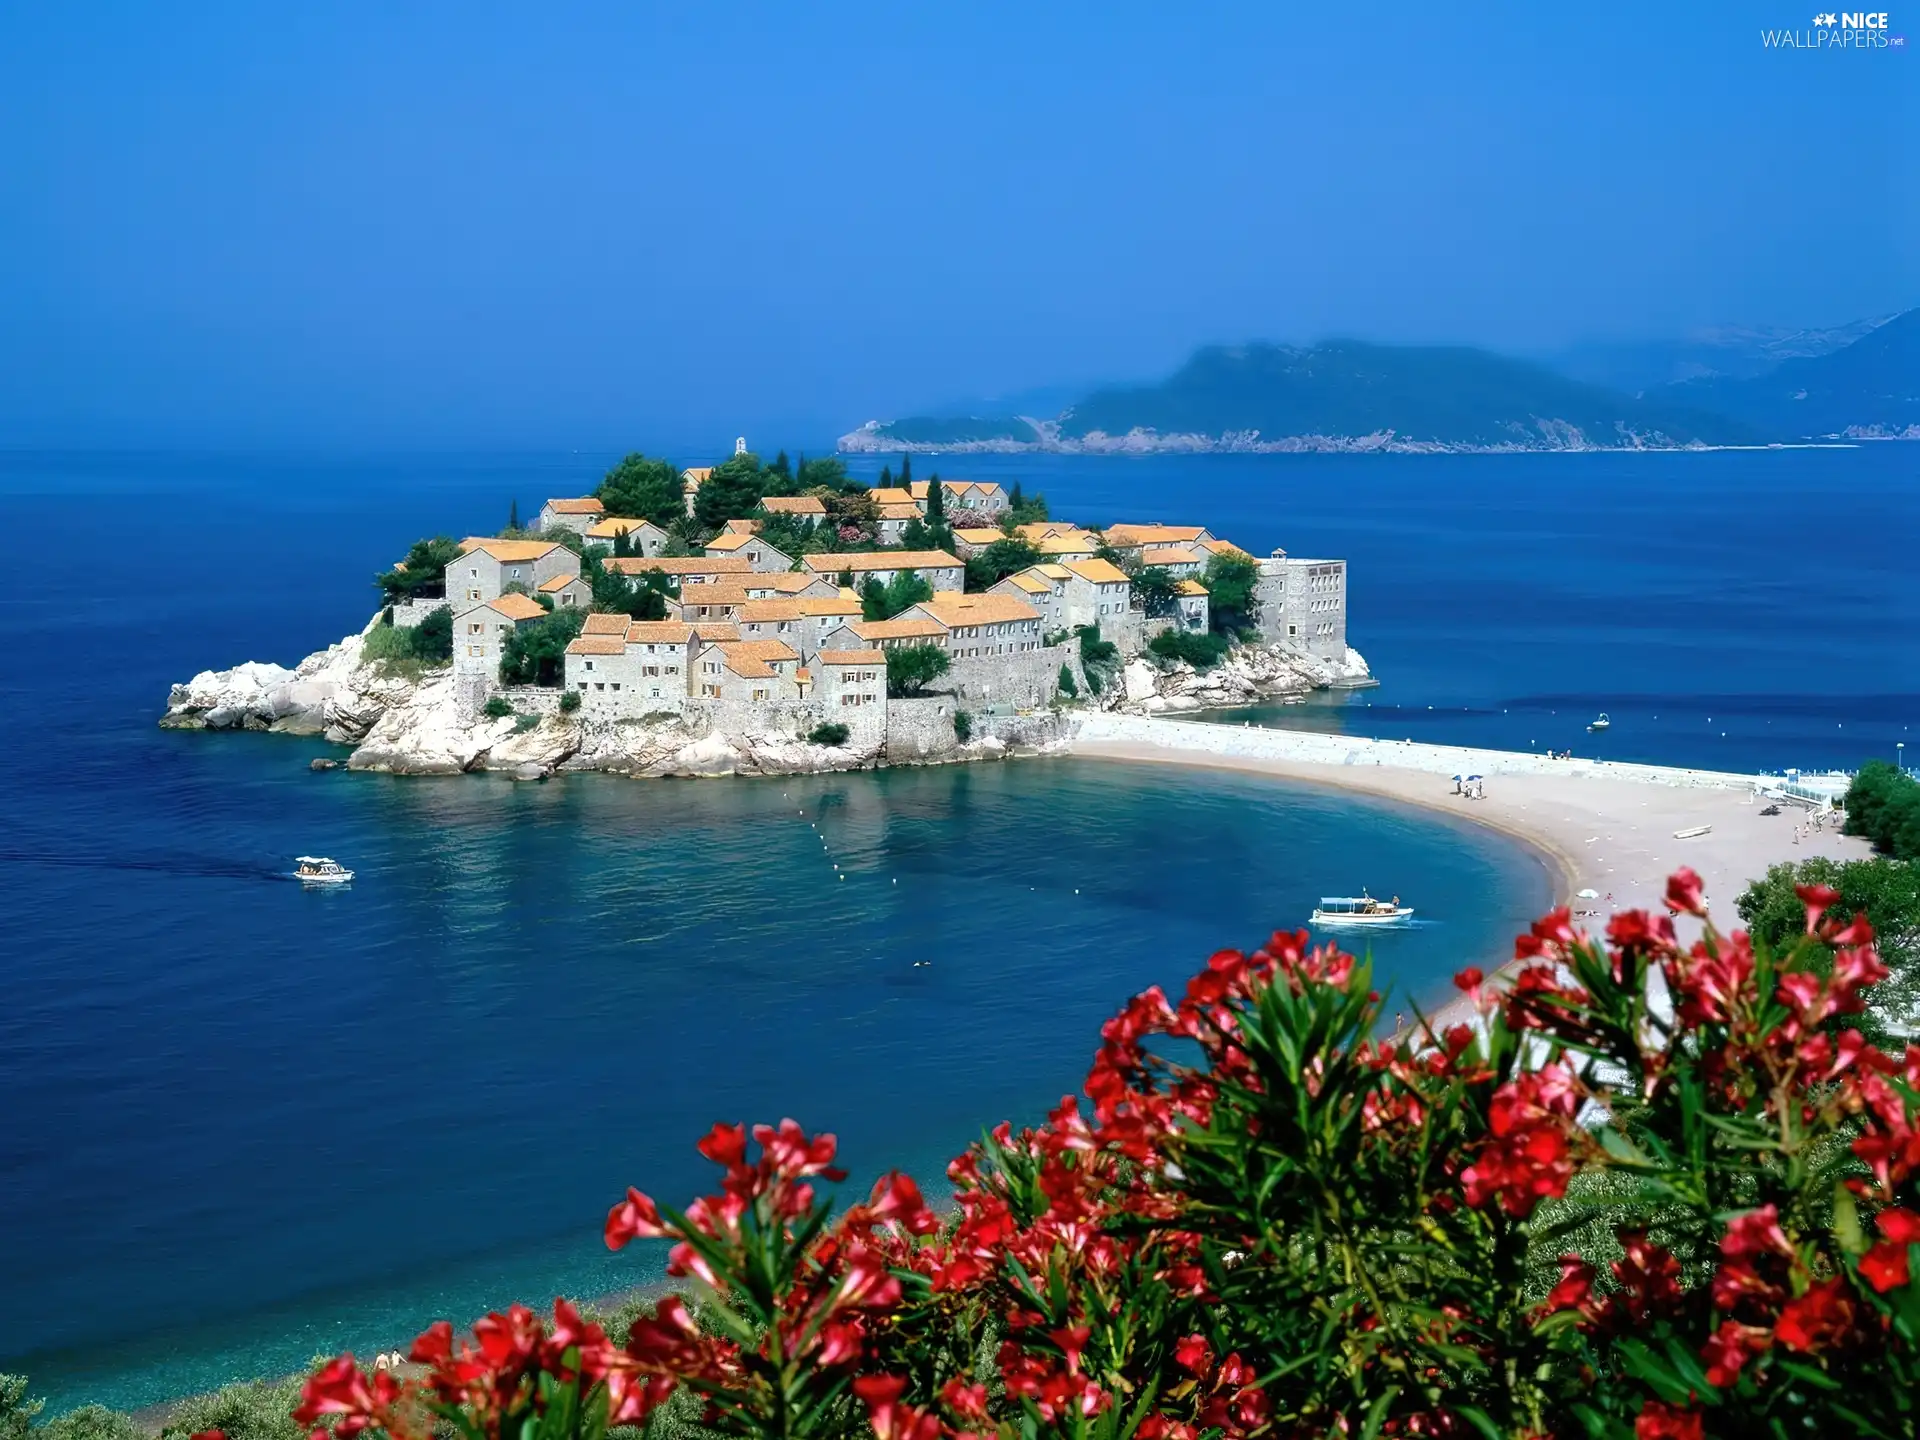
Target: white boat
1360,910
1693,832
319,870
1602,723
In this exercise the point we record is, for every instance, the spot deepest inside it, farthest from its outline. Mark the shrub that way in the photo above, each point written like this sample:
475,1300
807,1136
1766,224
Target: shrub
829,732
1230,581
426,644
1883,804
911,668
1267,1222
1199,651
962,726
536,653
423,572
1099,659
91,1422
241,1412
569,701
1068,687
498,707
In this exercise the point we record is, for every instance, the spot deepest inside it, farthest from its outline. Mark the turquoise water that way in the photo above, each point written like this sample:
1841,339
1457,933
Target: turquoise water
263,1122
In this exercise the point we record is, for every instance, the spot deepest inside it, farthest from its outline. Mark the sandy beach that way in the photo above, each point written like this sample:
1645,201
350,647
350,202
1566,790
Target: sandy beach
1598,825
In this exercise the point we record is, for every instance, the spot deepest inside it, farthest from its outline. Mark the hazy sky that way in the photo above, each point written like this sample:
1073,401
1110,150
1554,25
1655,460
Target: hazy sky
583,223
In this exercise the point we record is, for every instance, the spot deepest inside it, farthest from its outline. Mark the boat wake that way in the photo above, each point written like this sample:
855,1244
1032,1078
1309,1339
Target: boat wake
188,866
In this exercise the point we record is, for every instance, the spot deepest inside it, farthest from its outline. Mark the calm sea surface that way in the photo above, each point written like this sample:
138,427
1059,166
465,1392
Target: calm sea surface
241,1123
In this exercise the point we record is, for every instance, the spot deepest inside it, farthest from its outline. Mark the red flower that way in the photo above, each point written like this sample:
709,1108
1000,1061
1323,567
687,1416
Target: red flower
1684,892
1887,1265
969,1402
1817,899
1757,1232
1816,1319
1659,1421
1469,981
1072,1340
1729,1349
725,1145
890,1419
634,1218
1194,1354
1574,1290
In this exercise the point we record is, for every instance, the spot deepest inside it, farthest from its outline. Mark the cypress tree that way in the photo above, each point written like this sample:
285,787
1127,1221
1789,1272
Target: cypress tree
886,478
906,471
513,514
936,501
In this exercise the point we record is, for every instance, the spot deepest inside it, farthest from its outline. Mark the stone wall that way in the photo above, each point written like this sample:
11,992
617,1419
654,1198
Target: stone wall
1038,731
866,724
532,699
409,613
1026,679
921,730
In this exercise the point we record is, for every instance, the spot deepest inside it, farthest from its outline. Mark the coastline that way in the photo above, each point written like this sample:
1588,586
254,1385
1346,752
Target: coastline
1596,825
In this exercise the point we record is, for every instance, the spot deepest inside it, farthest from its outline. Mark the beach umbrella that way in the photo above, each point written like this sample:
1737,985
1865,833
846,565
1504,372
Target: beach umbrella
1586,895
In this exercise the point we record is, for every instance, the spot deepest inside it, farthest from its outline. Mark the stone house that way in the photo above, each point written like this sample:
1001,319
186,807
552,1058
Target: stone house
891,521
759,554
1046,595
1179,561
1126,538
575,514
1303,603
480,632
700,603
744,671
643,536
898,495
687,570
642,670
691,481
1065,545
825,614
850,680
567,592
972,540
802,507
978,626
1040,529
789,584
487,567
940,570
887,634
1096,590
1190,605
966,501
781,619
741,527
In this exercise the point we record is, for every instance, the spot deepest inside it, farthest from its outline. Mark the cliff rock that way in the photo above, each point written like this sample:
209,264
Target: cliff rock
1248,675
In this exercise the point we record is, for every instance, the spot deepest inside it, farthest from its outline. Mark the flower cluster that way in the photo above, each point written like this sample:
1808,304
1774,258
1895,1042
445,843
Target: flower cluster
1266,1221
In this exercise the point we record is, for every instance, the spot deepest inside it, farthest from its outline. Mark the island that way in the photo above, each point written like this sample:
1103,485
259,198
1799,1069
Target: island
756,618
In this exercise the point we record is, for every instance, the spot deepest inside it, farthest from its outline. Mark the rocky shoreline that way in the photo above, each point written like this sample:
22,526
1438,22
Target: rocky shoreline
404,723
1549,437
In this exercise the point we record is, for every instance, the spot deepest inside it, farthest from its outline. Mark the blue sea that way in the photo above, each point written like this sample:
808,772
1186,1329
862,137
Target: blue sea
242,1123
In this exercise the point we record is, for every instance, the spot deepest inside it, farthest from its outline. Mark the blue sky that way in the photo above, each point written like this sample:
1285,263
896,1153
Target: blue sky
602,224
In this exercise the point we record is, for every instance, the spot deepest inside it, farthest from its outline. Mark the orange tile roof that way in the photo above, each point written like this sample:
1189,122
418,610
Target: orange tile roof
794,505
598,645
518,607
746,666
715,632
898,629
713,595
1169,555
1100,572
1051,571
1037,529
842,604
1029,582
1073,542
783,582
697,474
583,505
882,560
764,649
897,510
559,582
954,609
742,527
1120,536
681,564
507,551
803,675
983,535
730,541
618,524
606,625
892,495
1227,547
659,632
1190,587
853,657
771,610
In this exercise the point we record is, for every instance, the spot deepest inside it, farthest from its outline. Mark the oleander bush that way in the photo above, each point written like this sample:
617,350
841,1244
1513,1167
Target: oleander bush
1634,1189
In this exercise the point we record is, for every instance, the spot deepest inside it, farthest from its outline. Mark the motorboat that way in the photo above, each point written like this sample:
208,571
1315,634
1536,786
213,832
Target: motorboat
1600,724
319,870
1693,832
1360,910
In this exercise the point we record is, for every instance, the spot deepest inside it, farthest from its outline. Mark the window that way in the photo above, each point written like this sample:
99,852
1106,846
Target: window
589,664
616,684
599,685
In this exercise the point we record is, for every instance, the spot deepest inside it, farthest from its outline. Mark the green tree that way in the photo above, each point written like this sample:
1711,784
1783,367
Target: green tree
535,653
432,638
911,668
1230,582
1067,686
734,490
1883,806
905,482
643,488
936,500
828,732
1200,651
829,473
91,1422
513,513
883,602
16,1410
423,574
1155,587
1887,892
987,568
782,467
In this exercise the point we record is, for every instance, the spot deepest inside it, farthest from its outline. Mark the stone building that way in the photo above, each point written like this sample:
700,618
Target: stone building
940,570
1129,538
686,569
567,592
980,625
643,669
721,602
486,568
1180,561
758,553
691,481
752,672
888,634
1096,590
970,541
480,633
574,514
1064,545
967,501
1190,604
643,536
850,680
1047,595
1303,604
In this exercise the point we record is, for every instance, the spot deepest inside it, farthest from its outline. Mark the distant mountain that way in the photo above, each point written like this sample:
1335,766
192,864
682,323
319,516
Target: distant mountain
1735,352
1341,395
1870,388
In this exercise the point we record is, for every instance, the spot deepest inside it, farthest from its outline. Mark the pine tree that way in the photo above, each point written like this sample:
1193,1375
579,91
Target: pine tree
513,514
1014,498
906,472
886,477
936,501
623,544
